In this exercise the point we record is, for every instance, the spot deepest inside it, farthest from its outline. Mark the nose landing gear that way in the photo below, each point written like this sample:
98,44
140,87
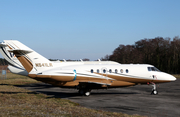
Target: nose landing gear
154,90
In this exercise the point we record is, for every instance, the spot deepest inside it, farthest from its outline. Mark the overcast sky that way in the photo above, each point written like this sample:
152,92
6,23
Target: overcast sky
77,29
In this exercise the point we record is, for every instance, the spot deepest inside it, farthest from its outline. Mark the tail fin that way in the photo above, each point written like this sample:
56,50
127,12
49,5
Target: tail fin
31,60
9,56
13,63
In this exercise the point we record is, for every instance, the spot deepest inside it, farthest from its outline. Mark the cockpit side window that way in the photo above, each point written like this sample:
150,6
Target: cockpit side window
156,69
149,69
153,69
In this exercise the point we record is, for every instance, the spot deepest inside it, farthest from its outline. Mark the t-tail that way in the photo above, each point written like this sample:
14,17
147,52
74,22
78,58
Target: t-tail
13,63
31,60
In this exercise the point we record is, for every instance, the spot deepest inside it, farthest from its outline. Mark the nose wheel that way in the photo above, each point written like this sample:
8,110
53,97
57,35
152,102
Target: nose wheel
154,90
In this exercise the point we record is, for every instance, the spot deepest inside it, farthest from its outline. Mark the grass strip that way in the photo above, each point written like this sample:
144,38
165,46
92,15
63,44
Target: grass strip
19,102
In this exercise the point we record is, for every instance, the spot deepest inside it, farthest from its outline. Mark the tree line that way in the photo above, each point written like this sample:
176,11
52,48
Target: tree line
163,53
3,62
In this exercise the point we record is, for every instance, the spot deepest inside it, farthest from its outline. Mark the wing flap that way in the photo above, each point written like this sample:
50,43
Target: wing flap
93,85
100,83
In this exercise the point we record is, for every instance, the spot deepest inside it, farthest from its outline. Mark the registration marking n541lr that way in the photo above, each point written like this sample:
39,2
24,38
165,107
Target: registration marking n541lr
44,65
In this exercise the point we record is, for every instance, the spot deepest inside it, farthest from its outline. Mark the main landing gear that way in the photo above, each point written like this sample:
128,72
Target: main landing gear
85,92
154,90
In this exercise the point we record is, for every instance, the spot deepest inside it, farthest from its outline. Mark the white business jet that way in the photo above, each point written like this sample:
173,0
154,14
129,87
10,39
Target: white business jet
83,76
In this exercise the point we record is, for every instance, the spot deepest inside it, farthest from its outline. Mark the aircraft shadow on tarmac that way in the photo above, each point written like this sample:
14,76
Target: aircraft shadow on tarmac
56,92
3,92
6,92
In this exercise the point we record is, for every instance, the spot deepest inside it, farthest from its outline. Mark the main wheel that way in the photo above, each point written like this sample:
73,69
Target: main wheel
87,93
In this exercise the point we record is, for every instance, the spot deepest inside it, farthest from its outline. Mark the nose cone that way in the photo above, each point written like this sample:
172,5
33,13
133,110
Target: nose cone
163,77
168,77
172,78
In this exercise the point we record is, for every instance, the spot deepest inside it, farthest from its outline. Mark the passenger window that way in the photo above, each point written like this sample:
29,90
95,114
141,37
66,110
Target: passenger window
110,71
91,70
116,71
97,70
121,70
127,70
104,71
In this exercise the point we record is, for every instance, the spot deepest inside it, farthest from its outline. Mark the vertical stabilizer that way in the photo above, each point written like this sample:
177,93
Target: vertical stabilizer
10,57
31,60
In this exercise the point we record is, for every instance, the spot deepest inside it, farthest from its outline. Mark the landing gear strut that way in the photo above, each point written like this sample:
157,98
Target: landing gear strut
85,92
154,91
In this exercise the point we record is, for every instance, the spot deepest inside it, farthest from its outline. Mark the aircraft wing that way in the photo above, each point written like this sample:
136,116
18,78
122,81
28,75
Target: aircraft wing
100,83
93,85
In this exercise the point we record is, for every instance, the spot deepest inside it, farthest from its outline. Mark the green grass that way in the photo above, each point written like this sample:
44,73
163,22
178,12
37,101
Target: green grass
18,102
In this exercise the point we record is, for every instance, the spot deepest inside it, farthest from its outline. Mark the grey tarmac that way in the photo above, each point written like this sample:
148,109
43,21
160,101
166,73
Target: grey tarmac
129,100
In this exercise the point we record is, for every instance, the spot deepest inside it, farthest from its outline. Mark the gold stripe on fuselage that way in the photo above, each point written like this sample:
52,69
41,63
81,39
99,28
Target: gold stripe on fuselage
68,81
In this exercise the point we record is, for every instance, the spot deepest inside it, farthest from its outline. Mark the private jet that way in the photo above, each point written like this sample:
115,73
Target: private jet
84,76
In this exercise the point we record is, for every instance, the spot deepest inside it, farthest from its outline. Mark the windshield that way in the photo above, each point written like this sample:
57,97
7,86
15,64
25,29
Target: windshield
153,69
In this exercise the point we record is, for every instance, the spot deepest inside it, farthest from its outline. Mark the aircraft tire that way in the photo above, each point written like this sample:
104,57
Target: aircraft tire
87,93
154,92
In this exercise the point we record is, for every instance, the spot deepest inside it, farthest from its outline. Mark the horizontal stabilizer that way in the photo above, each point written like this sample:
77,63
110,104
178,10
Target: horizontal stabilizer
3,45
21,52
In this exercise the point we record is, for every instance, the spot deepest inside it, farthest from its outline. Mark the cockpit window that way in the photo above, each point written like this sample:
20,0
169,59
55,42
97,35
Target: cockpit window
153,69
149,69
